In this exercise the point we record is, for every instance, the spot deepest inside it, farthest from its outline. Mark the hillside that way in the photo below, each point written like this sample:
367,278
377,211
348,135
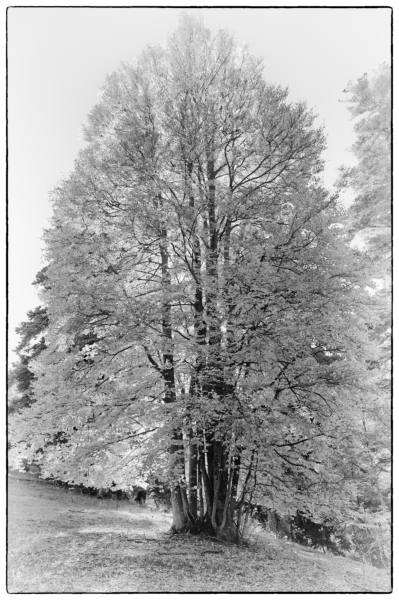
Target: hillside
61,541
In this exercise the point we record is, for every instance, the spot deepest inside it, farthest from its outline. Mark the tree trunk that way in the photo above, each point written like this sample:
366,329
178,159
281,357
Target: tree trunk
223,501
220,474
206,487
192,478
200,489
180,522
180,518
244,490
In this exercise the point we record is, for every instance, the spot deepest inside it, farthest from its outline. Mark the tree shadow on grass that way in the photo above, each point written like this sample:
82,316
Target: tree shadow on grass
107,528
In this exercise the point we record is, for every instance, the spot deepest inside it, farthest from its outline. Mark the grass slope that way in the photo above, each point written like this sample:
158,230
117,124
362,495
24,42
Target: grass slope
60,541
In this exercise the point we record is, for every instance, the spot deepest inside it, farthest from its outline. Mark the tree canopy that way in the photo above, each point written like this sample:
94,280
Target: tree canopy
207,316
369,221
369,102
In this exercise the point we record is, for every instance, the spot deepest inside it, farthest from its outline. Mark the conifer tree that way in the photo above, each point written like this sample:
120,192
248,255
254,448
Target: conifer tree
31,344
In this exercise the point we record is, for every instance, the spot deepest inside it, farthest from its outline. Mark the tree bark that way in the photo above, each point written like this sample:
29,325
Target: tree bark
192,477
176,452
206,487
200,489
219,480
180,521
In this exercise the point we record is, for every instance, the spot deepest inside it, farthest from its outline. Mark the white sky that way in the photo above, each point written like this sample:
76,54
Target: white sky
58,58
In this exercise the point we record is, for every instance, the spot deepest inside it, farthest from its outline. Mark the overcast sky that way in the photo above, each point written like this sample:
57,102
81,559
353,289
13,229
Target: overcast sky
58,58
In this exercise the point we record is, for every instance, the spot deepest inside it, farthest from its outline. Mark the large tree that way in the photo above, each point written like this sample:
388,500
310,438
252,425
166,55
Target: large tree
369,224
196,248
369,103
369,215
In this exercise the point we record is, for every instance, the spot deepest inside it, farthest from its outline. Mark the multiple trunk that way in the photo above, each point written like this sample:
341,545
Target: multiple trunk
205,470
210,503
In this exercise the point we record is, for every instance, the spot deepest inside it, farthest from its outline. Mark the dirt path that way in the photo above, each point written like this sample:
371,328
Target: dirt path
59,541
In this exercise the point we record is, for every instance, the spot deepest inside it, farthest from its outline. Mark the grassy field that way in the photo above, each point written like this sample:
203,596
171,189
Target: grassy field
60,541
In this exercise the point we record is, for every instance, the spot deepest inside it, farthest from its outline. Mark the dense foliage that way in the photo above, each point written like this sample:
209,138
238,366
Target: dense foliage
208,320
31,344
370,105
369,225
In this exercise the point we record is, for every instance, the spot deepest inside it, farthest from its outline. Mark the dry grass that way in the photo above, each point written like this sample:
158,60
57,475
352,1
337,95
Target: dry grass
59,541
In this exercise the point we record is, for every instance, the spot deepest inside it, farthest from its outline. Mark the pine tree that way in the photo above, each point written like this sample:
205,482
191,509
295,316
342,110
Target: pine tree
31,344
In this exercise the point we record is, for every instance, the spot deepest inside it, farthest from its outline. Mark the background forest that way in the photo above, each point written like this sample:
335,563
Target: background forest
213,320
